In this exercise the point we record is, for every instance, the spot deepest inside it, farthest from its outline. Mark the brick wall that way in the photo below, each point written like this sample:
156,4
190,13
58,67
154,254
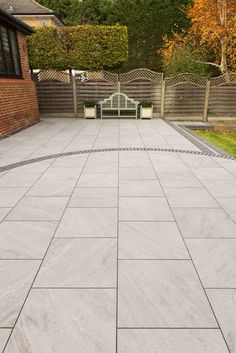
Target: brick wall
18,100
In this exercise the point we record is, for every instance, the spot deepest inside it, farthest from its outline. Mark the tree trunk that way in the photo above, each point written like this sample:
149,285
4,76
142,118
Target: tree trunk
223,63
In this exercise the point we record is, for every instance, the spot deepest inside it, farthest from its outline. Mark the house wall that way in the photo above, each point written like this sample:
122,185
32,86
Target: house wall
18,99
39,21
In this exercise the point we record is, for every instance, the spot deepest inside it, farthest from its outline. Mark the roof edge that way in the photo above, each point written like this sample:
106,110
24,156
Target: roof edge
43,7
13,21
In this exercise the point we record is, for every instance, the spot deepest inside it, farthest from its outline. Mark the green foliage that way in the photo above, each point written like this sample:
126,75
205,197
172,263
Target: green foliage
147,22
183,59
78,47
75,12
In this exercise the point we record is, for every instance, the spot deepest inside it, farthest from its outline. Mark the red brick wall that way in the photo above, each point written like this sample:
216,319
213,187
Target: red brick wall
18,99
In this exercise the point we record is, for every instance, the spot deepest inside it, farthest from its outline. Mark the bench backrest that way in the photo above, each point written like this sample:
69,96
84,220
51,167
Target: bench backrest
119,101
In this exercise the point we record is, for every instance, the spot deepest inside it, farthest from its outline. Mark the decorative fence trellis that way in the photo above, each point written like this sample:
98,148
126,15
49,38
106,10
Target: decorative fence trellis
185,96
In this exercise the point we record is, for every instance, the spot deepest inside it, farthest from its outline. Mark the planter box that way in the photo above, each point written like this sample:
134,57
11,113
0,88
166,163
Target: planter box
146,112
90,112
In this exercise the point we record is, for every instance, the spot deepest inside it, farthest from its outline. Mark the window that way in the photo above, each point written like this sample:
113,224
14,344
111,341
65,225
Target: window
9,53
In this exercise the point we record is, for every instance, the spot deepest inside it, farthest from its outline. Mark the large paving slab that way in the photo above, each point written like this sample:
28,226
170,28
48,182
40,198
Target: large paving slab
115,251
65,321
171,341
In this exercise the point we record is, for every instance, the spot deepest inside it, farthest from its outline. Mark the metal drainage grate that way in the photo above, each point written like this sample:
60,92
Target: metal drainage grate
122,149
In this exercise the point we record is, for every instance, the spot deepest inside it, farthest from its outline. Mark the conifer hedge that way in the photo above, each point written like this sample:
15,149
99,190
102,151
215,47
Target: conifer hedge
78,47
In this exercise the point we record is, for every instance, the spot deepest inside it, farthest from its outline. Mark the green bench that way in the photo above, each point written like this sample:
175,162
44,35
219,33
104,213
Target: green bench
119,105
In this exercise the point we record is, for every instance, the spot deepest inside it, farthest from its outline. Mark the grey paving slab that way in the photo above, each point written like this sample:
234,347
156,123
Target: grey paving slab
88,222
140,188
4,212
137,174
39,209
221,188
65,321
144,209
47,187
18,180
161,294
39,167
25,240
199,161
134,160
16,277
94,197
229,204
79,263
170,167
103,163
171,180
231,167
4,335
205,223
171,341
151,240
212,174
106,180
10,196
190,197
62,174
223,302
215,260
70,162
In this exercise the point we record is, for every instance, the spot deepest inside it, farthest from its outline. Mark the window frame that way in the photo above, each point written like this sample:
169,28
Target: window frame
7,74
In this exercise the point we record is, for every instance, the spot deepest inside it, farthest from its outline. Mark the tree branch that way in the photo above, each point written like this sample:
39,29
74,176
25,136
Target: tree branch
205,62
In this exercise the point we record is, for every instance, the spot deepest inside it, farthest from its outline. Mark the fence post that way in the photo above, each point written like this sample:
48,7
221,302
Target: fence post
118,86
205,112
163,91
74,89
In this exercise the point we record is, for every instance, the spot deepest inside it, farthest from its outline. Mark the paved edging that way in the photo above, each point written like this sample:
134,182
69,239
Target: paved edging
121,149
197,140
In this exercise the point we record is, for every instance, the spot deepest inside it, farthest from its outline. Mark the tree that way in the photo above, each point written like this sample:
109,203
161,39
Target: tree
179,57
210,39
147,22
75,12
214,24
79,47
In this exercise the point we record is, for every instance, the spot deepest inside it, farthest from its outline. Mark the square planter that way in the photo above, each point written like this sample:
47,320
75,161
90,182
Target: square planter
146,112
90,112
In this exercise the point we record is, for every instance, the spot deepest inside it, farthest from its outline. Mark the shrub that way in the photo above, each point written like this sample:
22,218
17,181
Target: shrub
78,47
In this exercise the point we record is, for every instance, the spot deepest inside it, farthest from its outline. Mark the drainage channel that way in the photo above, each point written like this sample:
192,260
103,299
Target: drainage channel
122,149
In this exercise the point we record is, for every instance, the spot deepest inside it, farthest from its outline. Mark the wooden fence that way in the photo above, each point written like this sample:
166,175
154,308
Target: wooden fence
183,97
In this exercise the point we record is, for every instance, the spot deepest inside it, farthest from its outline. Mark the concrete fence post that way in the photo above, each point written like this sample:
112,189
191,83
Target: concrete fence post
206,103
74,90
163,92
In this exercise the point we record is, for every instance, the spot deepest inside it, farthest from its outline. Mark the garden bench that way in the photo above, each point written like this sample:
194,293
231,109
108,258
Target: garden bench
119,105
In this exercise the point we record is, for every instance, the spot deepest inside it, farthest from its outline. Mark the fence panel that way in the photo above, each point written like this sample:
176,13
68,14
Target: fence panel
143,85
222,101
184,100
185,96
55,92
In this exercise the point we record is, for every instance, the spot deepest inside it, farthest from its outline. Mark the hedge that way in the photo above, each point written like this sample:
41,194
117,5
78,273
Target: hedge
78,47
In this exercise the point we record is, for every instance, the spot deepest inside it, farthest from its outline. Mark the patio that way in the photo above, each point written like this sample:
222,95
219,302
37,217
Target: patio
116,251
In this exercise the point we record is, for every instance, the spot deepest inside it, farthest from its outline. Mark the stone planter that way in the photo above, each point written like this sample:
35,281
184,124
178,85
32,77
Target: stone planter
90,112
146,112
